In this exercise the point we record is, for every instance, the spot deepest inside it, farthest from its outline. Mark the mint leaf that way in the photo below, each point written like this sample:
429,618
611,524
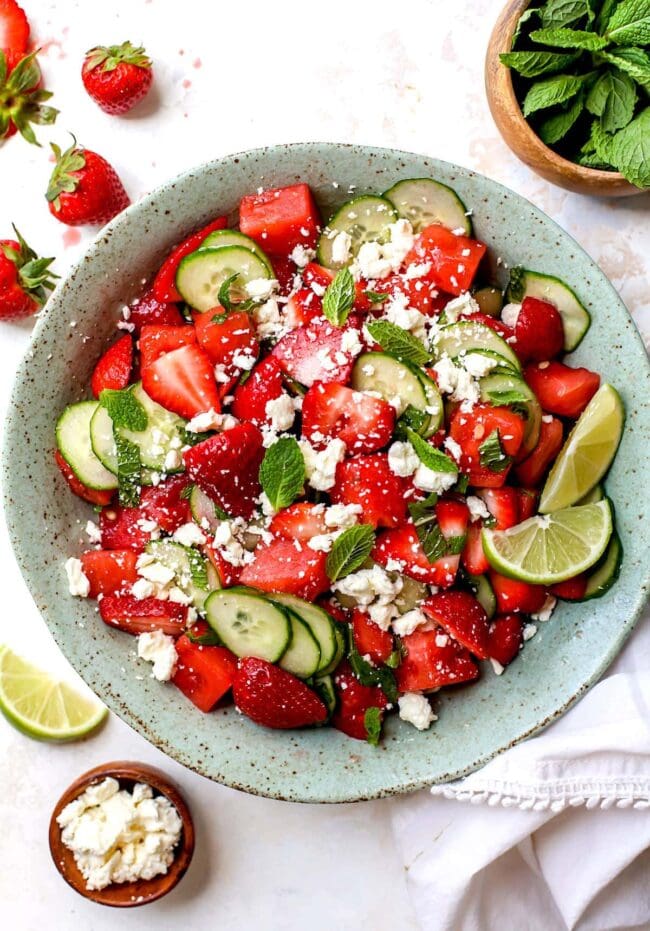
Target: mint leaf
570,38
552,91
282,473
606,10
124,409
376,297
129,469
412,418
630,23
339,297
558,13
517,284
601,143
398,342
530,12
198,568
503,397
429,456
620,102
225,299
532,64
633,61
432,540
630,150
350,550
367,674
556,127
372,722
491,454
208,639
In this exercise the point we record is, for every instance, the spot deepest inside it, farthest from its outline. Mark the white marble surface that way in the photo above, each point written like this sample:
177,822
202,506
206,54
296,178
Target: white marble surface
228,77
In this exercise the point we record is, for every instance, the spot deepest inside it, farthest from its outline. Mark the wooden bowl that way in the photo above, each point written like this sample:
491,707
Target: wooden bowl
124,895
519,136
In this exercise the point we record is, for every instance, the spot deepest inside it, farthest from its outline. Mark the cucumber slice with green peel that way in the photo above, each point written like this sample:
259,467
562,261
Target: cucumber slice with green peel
248,623
484,593
201,274
324,687
392,378
606,571
319,622
73,442
163,434
339,652
575,316
364,219
424,202
302,657
221,238
465,335
596,494
204,510
496,389
195,575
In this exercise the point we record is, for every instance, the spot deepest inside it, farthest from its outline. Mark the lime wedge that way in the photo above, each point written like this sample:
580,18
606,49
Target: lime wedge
587,453
550,548
41,706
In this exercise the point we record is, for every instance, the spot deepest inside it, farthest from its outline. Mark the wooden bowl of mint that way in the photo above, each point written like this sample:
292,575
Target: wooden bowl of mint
568,84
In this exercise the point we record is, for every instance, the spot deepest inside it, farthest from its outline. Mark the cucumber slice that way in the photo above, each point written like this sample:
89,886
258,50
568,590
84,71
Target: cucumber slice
575,316
73,442
466,335
319,622
163,432
495,386
364,219
606,571
484,593
303,654
392,378
234,238
248,623
204,510
324,687
502,365
339,652
424,202
195,575
201,274
596,494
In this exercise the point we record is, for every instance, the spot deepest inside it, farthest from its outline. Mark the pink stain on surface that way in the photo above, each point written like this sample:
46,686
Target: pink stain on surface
47,44
197,63
71,237
187,83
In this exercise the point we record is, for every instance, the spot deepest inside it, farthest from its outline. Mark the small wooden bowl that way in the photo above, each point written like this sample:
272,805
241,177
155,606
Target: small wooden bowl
519,136
124,895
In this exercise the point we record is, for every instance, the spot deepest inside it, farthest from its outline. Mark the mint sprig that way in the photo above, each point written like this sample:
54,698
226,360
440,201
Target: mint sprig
429,456
349,551
282,472
129,469
492,455
124,409
339,298
398,342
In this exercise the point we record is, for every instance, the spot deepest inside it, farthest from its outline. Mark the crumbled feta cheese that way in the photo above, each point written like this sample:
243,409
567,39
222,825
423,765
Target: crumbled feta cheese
400,242
244,360
118,836
321,466
159,649
370,262
189,534
321,543
477,508
428,480
78,582
373,589
301,255
496,665
350,342
446,375
463,304
341,248
93,532
281,412
418,270
261,288
397,311
208,420
546,610
453,448
510,313
477,365
142,588
173,461
325,359
342,516
547,418
228,537
149,568
406,623
268,320
402,459
529,631
416,710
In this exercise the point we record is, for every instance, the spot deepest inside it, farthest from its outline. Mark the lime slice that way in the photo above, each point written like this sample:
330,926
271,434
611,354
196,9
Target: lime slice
587,453
550,548
41,706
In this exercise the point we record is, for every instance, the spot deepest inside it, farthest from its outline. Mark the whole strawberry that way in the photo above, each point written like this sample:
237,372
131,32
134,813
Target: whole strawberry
84,188
274,698
117,76
25,279
21,97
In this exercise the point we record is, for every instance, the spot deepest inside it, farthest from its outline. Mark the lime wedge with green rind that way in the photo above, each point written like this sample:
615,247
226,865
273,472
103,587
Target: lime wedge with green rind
43,707
550,548
587,453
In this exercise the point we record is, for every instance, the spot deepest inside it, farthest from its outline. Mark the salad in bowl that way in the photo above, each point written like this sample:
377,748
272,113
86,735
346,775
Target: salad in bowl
335,467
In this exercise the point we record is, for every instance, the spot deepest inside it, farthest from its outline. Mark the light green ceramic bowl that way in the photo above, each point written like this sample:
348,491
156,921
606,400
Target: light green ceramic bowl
567,656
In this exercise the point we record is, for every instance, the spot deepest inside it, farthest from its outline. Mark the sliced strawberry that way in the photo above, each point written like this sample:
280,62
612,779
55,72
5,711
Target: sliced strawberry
433,659
281,218
513,595
470,430
315,353
364,423
528,498
14,32
369,482
228,574
122,528
164,285
100,498
287,566
453,260
532,470
109,571
226,466
263,385
504,331
539,333
302,307
183,382
165,503
460,614
163,506
136,616
369,639
149,310
203,673
503,505
473,557
272,697
333,608
114,368
403,547
452,515
505,639
560,389
224,339
573,589
300,521
155,341
353,700
284,270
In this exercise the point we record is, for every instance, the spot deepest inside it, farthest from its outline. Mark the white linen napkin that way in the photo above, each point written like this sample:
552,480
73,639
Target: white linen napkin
551,835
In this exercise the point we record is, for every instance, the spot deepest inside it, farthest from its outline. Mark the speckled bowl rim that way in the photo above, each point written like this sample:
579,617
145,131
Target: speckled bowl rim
395,785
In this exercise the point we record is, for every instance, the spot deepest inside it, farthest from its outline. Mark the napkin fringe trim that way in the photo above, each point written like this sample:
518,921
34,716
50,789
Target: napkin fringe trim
623,794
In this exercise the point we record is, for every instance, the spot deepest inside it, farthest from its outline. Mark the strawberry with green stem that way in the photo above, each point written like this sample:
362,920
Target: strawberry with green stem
84,188
22,98
117,77
25,279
